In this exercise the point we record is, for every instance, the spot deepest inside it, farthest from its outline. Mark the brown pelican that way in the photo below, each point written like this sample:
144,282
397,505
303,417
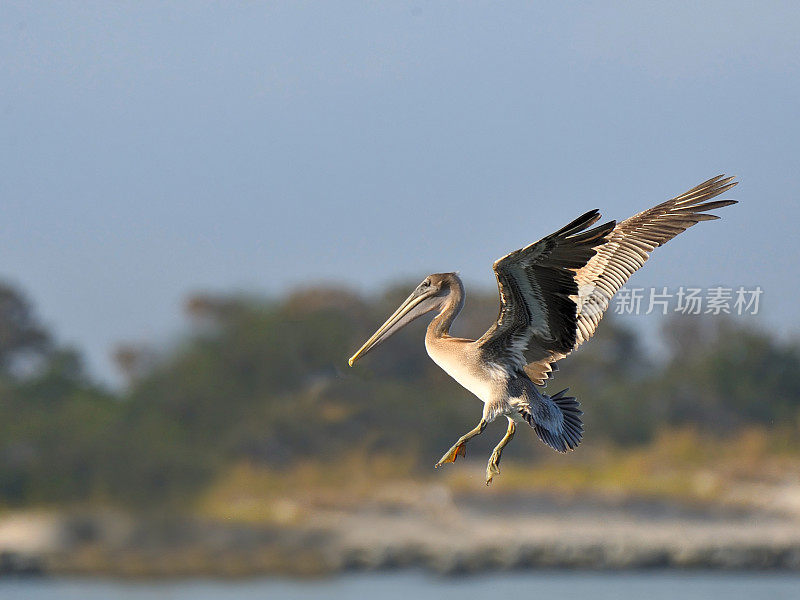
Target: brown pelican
552,296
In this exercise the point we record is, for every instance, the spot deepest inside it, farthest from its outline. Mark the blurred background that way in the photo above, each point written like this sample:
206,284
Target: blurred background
206,207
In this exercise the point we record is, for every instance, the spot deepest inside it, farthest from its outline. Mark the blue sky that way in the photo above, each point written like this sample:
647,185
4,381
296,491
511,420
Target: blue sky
150,150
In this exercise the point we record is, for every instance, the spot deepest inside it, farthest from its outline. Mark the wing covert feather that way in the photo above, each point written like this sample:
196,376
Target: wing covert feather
538,292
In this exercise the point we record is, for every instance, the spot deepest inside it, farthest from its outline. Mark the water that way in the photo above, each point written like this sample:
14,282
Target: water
418,586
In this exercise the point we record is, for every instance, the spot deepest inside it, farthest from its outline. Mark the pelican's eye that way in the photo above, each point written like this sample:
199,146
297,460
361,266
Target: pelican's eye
426,283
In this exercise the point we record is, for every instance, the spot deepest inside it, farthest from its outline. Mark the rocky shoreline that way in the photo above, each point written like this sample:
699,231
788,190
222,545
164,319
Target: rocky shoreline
474,539
444,535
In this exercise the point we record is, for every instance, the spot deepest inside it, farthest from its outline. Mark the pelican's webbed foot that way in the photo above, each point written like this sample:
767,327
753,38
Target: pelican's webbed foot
493,468
451,455
460,447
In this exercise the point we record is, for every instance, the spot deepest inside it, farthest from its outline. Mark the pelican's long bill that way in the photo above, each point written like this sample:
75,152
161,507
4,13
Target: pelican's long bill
422,300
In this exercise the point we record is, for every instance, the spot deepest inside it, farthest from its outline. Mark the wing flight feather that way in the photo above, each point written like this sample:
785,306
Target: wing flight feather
625,251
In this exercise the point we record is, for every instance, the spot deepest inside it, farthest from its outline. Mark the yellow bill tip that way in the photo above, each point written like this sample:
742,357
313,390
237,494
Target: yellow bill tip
351,360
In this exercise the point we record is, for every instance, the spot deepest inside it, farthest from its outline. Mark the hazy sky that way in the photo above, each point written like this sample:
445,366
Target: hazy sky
148,150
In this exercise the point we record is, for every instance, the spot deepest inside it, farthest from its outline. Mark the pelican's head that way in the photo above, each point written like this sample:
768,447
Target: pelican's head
428,295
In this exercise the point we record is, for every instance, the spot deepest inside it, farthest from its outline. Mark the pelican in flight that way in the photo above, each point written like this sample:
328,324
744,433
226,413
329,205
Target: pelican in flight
552,296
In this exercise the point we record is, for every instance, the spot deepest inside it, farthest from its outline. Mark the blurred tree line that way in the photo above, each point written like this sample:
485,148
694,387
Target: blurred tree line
266,381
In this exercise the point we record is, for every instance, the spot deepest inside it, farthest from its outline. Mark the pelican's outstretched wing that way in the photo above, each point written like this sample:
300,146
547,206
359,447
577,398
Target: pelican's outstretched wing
626,249
538,293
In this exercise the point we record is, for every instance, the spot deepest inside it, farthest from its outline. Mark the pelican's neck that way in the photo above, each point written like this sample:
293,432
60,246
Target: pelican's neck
451,305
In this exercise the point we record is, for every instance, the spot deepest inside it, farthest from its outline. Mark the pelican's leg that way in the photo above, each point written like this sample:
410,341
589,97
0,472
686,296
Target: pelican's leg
493,468
459,448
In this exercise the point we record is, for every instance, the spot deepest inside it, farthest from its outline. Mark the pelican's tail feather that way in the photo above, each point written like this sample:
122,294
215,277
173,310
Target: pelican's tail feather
556,420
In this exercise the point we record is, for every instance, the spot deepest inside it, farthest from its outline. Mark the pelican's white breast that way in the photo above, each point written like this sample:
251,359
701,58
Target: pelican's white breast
459,360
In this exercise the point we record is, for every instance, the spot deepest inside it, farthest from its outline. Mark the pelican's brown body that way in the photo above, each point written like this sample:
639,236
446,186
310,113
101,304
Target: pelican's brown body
553,294
460,358
503,391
